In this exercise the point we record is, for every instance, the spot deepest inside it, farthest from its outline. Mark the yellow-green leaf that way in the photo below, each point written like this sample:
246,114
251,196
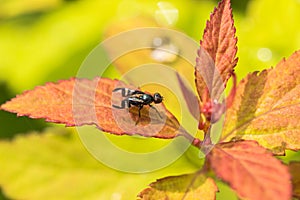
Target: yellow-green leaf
189,186
266,107
55,165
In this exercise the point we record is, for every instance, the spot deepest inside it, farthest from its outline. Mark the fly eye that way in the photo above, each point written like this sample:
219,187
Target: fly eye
157,98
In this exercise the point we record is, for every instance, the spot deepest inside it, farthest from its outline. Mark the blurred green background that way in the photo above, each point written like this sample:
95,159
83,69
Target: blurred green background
47,40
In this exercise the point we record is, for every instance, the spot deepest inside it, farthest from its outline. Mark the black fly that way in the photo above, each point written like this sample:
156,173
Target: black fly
137,98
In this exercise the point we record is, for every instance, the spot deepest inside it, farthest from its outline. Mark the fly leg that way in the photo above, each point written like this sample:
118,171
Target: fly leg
155,110
123,104
125,92
140,107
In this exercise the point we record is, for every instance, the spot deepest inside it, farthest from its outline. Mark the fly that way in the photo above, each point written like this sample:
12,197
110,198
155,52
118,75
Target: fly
137,98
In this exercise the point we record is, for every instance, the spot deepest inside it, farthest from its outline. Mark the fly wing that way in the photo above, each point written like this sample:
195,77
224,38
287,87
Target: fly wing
135,100
137,95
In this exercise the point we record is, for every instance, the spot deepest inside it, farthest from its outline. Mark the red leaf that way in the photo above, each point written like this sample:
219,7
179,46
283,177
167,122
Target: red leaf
218,51
191,99
251,170
78,102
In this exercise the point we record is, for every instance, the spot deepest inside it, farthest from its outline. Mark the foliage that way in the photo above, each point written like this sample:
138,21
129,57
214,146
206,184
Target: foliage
254,128
55,165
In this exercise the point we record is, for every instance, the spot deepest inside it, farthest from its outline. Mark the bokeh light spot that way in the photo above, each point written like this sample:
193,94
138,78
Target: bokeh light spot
264,54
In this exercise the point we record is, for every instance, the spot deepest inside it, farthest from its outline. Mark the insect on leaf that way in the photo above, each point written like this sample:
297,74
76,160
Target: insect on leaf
251,171
266,107
189,186
216,56
78,102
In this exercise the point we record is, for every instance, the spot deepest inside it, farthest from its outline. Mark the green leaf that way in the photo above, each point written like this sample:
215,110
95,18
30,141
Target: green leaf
189,186
34,49
280,39
55,165
266,108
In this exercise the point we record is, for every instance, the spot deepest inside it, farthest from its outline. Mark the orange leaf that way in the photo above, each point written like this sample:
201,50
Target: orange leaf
266,108
251,170
295,173
218,51
78,102
189,186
